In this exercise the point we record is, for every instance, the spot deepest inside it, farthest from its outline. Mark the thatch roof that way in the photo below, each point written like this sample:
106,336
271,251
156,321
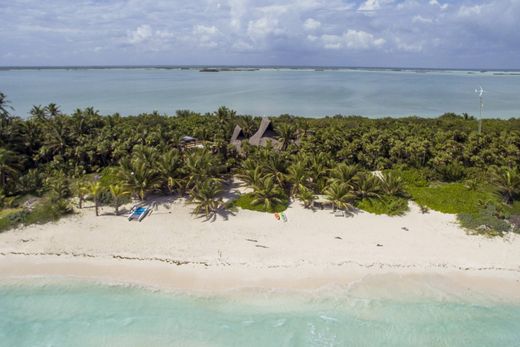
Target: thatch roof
238,134
265,134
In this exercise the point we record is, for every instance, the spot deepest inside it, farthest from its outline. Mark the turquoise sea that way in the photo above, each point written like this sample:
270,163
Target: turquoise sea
267,91
80,314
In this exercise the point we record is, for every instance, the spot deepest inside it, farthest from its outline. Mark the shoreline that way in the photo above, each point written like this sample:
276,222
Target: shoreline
391,282
370,255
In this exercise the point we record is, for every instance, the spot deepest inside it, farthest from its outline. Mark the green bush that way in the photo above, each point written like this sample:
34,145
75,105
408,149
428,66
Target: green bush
47,210
245,202
486,221
450,172
389,205
413,177
450,198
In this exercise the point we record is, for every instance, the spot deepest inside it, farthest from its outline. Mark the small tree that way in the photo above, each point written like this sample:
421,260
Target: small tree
95,189
118,193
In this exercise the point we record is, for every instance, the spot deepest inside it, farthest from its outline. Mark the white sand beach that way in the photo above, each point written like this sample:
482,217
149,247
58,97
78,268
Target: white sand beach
172,248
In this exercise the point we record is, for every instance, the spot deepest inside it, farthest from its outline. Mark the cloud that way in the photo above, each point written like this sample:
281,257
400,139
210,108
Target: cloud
311,24
141,34
373,5
352,39
379,32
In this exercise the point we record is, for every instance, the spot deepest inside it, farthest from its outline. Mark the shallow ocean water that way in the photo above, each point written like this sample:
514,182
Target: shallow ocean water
83,314
304,92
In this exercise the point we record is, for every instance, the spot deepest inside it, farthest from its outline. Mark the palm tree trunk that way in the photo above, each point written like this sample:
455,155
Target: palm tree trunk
97,207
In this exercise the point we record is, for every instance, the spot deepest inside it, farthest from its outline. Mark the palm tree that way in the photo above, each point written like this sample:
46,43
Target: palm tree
205,196
507,183
200,166
9,166
95,189
343,173
392,185
340,195
307,197
266,193
367,185
138,176
287,133
118,193
169,165
250,176
58,185
79,189
4,109
53,110
298,176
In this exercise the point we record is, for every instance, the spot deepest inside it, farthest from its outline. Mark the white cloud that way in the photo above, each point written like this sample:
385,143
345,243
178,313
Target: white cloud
468,11
373,5
311,24
139,35
282,31
437,3
206,36
421,19
263,27
352,39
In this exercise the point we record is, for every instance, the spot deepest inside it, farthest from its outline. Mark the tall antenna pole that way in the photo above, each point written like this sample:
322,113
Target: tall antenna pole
480,93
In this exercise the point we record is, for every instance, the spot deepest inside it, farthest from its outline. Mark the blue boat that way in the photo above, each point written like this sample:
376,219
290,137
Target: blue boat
138,213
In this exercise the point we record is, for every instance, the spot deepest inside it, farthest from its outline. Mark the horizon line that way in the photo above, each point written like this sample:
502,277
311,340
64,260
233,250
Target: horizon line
259,66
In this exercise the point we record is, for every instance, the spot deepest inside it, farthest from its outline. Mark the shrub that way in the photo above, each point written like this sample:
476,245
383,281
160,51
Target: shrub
485,222
413,177
245,202
450,198
389,205
450,172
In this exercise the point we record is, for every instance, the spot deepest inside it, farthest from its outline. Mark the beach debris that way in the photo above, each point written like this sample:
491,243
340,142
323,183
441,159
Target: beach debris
405,228
261,246
379,245
284,217
338,238
251,240
277,216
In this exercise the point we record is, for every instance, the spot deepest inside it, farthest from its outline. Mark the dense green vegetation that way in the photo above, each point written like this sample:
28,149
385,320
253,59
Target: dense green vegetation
246,201
373,164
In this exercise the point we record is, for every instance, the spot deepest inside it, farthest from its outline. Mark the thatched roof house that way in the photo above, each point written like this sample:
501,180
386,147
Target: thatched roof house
237,137
265,135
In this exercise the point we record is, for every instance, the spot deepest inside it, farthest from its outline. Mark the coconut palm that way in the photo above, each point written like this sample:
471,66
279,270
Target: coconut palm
266,193
343,173
367,185
79,189
306,196
138,176
340,195
95,189
118,192
200,166
9,166
169,165
4,109
205,196
298,176
251,177
392,185
287,133
507,182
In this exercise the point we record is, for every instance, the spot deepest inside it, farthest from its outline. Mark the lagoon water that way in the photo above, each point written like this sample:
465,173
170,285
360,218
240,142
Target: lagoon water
305,92
80,314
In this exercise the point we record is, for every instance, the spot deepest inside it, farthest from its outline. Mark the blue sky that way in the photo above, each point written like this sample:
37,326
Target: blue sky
412,33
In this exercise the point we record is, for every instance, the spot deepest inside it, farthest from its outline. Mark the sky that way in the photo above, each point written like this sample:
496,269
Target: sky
379,33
